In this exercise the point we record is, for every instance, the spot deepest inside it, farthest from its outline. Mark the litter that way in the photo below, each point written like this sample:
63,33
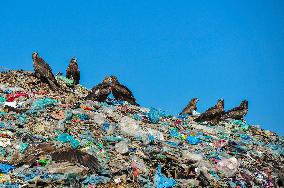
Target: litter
134,146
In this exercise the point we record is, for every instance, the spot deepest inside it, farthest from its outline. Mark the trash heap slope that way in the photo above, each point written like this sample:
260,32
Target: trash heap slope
135,146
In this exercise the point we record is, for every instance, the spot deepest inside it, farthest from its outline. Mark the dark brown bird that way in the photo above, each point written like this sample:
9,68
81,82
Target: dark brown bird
43,71
101,91
68,154
73,71
190,107
237,112
121,92
213,114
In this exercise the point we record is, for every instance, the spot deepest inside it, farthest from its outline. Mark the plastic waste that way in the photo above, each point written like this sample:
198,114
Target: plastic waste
43,103
228,167
95,180
68,82
83,116
66,138
154,115
12,97
6,168
2,99
23,147
121,147
161,181
193,140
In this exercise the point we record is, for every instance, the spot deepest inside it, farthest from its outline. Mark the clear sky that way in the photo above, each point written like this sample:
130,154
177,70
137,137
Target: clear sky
166,52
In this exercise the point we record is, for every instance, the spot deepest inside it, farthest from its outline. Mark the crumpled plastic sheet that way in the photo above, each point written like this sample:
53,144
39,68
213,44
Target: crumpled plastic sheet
23,147
6,168
12,97
154,115
43,103
2,99
68,82
161,181
67,138
193,140
95,180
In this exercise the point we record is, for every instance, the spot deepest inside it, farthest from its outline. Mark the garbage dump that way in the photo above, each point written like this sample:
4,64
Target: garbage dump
115,144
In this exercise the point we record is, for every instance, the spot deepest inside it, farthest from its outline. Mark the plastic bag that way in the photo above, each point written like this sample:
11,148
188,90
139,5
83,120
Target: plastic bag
154,115
121,147
161,181
43,103
192,140
94,180
5,168
65,138
228,167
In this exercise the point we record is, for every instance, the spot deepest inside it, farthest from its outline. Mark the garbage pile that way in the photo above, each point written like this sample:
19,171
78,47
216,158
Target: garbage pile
133,146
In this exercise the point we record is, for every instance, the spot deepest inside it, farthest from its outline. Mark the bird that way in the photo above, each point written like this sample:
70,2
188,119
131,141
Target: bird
43,71
121,92
58,154
238,112
73,71
101,91
190,107
213,114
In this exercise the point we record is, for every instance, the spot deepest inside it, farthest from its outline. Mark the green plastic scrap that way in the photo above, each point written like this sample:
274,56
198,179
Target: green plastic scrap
68,82
83,116
43,103
23,147
2,113
2,99
2,151
22,118
67,138
42,162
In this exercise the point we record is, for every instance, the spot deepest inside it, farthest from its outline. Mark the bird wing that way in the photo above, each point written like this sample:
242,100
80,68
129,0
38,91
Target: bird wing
121,92
44,69
99,92
235,113
78,157
63,154
209,114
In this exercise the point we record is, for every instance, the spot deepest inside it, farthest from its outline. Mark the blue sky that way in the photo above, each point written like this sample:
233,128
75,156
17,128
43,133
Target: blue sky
166,52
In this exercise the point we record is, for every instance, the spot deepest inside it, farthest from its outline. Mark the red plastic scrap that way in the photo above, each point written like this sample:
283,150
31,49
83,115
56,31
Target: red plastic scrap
135,170
12,97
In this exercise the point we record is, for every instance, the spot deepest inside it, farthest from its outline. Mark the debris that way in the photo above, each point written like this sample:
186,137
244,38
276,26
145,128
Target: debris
69,141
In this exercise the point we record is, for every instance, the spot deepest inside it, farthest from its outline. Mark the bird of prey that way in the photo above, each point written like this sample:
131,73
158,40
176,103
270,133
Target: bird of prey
43,71
67,154
190,107
101,91
73,71
237,112
121,92
213,114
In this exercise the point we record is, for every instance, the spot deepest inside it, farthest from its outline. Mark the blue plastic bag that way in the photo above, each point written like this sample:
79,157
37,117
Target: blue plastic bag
23,147
161,181
192,140
43,103
5,168
94,180
65,138
154,115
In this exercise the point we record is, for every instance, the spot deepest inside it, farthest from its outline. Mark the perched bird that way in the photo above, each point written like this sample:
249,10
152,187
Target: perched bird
237,112
213,114
121,92
101,91
43,71
67,154
73,71
190,107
